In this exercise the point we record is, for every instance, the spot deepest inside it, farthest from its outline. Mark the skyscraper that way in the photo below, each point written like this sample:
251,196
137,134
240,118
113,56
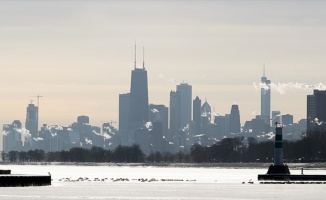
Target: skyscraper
157,137
205,117
266,99
235,119
311,111
83,119
287,119
320,105
31,123
185,91
276,117
206,110
17,124
220,121
160,113
174,113
124,109
316,110
139,110
196,115
11,137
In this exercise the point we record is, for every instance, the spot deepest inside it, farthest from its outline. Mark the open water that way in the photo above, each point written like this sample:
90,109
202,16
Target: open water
158,183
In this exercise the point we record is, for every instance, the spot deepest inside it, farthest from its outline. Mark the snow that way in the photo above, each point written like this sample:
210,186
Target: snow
125,182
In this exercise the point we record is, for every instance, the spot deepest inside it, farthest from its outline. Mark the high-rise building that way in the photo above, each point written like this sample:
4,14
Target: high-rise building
196,116
106,128
124,109
11,137
205,117
227,123
174,113
320,105
160,113
206,110
142,138
185,91
235,119
31,123
316,109
220,122
266,99
287,119
311,111
157,142
276,117
17,124
258,125
139,108
83,119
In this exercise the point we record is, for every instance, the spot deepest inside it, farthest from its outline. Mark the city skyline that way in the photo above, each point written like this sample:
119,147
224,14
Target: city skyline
78,55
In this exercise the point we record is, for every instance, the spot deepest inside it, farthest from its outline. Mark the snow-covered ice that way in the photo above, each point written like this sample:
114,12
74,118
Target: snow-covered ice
103,182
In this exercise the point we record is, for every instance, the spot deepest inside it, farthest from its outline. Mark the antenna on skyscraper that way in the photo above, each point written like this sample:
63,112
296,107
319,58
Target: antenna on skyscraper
135,55
264,70
38,99
143,57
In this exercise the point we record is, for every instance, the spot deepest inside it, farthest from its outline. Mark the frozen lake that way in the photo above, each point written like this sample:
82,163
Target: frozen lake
97,182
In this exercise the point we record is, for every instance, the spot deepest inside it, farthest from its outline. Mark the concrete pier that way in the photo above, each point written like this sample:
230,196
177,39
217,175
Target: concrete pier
20,180
3,171
290,177
279,171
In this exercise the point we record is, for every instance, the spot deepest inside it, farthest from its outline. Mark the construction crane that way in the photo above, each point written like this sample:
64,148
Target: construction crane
38,99
109,122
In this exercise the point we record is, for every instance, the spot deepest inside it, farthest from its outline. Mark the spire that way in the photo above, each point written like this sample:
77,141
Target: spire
143,57
264,70
135,55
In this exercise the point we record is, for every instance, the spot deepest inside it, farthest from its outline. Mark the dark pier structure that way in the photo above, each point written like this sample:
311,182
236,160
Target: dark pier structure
20,180
280,171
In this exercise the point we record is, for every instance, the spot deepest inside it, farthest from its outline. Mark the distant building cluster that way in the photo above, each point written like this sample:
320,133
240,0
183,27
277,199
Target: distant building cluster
53,138
157,127
188,121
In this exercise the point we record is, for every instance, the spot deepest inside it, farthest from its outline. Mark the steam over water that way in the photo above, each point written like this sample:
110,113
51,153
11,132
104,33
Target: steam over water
282,87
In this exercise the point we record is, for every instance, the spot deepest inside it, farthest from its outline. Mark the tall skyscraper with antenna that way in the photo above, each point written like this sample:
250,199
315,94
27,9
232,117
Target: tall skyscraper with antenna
139,108
265,99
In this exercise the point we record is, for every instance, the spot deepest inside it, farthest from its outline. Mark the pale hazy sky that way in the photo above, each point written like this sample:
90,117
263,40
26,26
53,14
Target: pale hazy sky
79,54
